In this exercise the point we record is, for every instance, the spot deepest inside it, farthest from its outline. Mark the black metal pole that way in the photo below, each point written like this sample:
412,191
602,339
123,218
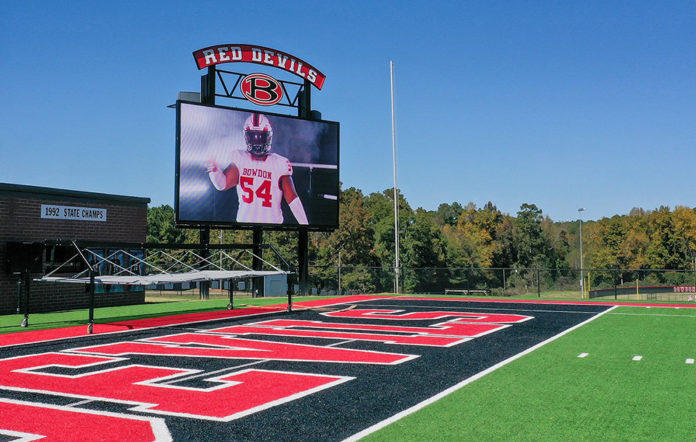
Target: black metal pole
303,261
90,325
503,282
468,283
27,288
230,290
208,86
538,284
305,106
290,290
304,110
207,97
256,263
19,294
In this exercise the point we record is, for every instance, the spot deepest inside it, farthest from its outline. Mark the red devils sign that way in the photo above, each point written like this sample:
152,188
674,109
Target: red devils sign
262,89
240,53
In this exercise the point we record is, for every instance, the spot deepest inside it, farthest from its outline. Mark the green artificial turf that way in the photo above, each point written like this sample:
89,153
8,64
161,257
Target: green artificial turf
549,394
552,394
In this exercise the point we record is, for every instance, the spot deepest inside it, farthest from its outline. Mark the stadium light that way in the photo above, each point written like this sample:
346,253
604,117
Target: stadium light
582,279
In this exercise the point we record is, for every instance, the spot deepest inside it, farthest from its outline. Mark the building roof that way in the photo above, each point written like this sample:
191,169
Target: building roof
53,193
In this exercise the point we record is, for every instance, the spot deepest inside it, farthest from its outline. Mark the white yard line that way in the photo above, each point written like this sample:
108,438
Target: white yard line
654,314
396,417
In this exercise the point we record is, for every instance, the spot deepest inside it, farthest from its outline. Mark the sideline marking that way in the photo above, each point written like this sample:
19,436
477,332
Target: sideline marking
78,331
511,309
109,328
50,335
465,382
541,301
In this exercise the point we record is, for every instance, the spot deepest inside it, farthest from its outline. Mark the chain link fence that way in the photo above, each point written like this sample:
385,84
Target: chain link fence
618,284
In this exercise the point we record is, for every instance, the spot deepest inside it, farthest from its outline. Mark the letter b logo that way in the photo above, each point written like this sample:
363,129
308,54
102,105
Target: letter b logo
262,89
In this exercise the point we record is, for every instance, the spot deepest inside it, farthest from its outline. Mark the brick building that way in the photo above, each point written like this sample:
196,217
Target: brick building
36,214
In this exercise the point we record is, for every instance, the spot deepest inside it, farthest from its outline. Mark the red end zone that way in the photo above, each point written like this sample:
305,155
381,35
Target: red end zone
28,337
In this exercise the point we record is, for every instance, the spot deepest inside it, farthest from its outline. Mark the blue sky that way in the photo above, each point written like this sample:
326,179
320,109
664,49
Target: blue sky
562,104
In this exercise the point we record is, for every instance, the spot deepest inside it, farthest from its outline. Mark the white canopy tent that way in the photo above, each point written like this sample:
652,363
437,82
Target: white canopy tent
163,266
164,278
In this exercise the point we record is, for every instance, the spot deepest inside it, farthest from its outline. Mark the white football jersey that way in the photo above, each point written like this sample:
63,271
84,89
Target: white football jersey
259,188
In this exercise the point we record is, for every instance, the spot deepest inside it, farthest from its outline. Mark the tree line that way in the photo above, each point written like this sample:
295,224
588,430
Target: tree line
459,236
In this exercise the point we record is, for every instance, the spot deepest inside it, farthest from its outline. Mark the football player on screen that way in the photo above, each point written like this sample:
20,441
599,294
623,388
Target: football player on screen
261,177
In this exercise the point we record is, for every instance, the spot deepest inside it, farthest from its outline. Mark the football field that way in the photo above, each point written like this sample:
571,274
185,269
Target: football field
361,367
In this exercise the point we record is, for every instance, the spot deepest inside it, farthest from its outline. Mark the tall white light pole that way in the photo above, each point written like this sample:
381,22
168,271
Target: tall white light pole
582,279
396,199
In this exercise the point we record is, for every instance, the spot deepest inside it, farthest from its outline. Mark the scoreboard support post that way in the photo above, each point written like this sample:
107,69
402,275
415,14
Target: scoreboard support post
207,97
304,110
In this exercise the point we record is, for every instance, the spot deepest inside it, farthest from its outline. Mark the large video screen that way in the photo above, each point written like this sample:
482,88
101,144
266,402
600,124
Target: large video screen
243,169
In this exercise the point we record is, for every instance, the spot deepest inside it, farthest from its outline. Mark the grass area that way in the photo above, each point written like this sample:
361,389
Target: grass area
154,307
551,394
564,295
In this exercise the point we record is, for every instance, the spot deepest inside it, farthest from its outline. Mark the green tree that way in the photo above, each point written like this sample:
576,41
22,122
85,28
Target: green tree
530,244
448,214
381,208
424,255
352,241
161,228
